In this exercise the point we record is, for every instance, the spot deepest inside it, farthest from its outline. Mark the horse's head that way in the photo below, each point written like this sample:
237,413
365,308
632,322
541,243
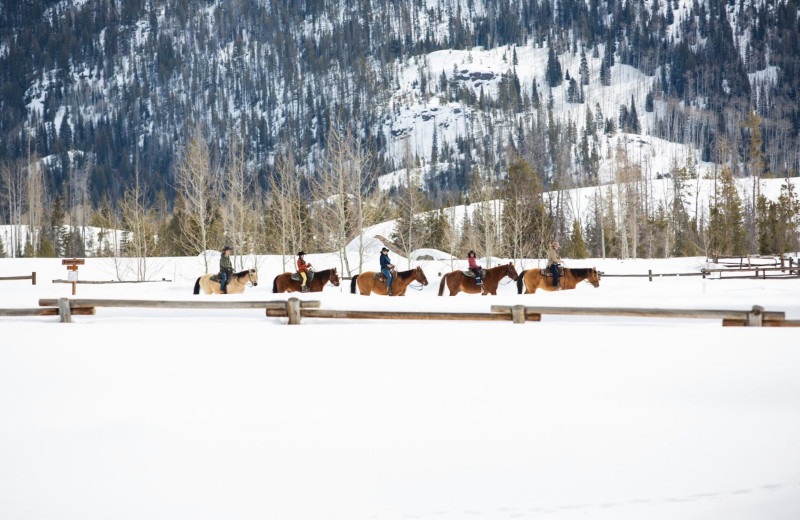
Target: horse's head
512,271
252,274
334,277
419,276
593,277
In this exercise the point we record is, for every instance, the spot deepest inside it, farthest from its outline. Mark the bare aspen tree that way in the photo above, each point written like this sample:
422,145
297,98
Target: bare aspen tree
194,179
332,188
36,197
141,223
487,215
237,186
13,184
79,203
522,209
410,233
289,206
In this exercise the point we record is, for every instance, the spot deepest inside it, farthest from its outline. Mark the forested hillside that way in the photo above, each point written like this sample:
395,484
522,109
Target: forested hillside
226,119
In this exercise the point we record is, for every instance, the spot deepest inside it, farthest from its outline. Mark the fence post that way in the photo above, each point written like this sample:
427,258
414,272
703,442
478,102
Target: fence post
65,316
755,318
518,313
649,275
293,311
33,278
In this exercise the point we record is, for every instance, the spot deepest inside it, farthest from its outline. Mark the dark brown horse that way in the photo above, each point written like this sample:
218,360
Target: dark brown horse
368,284
532,279
284,283
457,281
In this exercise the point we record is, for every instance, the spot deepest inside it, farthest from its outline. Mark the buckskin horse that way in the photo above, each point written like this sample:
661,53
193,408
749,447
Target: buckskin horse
532,279
236,284
458,281
285,283
369,282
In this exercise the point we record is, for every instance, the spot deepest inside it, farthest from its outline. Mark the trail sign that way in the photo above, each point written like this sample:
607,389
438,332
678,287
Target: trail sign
72,266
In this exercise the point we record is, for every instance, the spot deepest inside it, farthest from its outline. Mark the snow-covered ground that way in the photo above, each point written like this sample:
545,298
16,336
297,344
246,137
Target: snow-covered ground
137,413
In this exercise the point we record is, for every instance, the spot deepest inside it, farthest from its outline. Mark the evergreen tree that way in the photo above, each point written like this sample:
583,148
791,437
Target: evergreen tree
583,71
726,232
553,74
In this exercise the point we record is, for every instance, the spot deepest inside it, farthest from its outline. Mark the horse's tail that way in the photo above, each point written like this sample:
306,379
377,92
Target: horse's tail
275,284
441,285
353,284
521,282
197,286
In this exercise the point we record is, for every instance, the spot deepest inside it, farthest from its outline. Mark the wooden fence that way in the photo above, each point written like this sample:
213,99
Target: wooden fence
32,278
756,317
295,309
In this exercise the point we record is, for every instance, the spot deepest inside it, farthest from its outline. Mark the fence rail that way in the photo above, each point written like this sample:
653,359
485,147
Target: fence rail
756,317
99,282
32,278
295,309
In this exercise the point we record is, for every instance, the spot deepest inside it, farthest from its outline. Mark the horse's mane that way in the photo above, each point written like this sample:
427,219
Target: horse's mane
406,274
241,273
580,272
326,271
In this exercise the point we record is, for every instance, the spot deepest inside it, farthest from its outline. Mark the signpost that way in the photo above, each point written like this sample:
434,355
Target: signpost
72,266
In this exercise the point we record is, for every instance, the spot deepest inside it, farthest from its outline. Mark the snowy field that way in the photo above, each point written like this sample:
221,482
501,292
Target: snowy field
188,414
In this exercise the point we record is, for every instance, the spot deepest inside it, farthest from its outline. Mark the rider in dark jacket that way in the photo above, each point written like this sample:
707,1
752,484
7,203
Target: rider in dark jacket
386,269
225,269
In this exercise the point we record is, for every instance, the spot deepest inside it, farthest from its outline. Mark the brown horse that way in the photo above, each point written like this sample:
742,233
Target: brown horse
236,284
368,284
458,281
532,279
284,283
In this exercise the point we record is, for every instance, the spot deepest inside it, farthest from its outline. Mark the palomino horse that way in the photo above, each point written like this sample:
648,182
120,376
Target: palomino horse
368,284
236,284
457,281
284,283
532,279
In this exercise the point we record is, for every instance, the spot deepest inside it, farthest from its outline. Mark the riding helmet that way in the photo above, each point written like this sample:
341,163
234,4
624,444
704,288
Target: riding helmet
301,253
384,249
227,248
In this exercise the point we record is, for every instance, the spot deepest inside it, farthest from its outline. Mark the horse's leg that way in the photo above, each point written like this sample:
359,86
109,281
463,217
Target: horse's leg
454,283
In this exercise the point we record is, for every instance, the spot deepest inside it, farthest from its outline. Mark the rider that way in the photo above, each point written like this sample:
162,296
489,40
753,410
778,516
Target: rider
474,267
225,269
302,269
553,261
386,269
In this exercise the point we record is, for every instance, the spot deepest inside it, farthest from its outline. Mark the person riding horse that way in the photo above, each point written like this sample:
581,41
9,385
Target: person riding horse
553,262
386,269
225,269
474,267
302,269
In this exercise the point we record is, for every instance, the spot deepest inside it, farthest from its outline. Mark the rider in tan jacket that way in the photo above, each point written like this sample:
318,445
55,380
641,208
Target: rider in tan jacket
553,261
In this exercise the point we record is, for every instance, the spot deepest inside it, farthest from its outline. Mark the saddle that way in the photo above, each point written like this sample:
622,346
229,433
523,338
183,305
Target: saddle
546,272
216,278
378,277
297,278
471,274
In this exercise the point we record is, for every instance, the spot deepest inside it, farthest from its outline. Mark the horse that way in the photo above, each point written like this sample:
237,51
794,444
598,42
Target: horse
457,281
532,279
236,284
284,283
368,284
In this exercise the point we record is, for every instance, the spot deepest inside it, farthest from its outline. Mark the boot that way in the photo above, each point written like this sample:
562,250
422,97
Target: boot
389,291
478,281
224,291
303,288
